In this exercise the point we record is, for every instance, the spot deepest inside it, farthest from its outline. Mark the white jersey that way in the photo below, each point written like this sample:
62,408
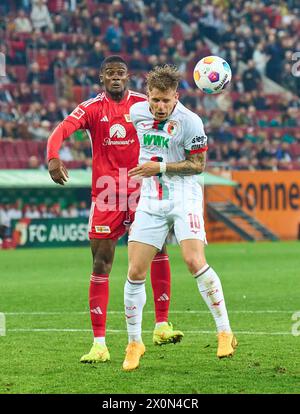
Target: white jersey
169,141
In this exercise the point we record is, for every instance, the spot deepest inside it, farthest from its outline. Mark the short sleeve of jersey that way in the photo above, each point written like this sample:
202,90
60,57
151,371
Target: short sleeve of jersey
79,117
195,139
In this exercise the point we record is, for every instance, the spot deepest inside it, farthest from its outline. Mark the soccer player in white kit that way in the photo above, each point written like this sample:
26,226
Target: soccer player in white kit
173,149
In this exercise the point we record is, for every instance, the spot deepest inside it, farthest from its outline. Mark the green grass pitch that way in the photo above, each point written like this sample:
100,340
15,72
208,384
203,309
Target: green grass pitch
44,296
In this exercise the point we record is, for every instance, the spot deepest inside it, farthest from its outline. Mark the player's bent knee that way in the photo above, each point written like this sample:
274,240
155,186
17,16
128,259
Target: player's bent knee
194,263
101,266
136,272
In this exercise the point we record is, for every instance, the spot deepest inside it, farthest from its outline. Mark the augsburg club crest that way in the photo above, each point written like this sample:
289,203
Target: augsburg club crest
171,128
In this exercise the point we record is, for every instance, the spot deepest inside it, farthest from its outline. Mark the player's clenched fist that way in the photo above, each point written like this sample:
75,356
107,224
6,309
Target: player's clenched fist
58,171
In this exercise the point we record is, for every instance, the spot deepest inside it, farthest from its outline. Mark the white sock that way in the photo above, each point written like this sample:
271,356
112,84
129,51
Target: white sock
211,290
99,340
134,300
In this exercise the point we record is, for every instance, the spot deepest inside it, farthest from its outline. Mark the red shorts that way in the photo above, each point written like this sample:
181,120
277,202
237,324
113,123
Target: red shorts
109,224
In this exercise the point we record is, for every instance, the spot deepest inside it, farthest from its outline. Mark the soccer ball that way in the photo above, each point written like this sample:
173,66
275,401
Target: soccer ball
212,74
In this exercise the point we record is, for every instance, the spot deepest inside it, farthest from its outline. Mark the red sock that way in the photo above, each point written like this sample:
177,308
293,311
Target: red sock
161,286
98,297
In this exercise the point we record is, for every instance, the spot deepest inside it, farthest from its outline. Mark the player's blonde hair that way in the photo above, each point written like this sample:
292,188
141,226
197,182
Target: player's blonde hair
163,78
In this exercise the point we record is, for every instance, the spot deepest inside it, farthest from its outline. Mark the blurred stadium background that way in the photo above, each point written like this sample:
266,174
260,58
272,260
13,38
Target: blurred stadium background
50,57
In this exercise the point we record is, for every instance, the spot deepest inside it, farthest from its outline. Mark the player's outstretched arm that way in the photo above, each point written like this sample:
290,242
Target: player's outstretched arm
58,171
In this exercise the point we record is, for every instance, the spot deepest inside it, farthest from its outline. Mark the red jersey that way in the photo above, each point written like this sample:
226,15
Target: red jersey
113,137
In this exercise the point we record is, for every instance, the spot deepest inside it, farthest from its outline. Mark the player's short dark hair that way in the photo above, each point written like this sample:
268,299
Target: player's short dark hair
163,78
112,59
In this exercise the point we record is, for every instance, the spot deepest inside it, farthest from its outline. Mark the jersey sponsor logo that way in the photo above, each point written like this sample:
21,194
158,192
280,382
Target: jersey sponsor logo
171,128
102,229
104,119
127,117
199,142
108,141
117,131
156,140
77,113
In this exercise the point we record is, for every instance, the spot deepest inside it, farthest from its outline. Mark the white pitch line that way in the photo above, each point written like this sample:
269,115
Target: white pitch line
148,332
151,312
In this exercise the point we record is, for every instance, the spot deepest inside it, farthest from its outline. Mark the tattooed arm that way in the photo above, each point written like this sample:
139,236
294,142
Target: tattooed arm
194,164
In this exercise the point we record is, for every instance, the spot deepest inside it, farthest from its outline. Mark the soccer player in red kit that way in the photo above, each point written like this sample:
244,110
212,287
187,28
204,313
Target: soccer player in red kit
115,149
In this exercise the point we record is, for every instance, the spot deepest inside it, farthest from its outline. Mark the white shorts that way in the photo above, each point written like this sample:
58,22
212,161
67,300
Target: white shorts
152,225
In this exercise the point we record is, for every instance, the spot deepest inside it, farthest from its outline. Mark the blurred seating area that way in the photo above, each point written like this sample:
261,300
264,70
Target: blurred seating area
53,51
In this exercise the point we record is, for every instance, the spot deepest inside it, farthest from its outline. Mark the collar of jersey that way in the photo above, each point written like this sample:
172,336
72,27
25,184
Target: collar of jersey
117,102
